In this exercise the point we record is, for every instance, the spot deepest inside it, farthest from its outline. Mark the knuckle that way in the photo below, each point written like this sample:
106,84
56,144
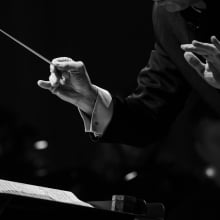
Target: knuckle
55,60
80,64
62,59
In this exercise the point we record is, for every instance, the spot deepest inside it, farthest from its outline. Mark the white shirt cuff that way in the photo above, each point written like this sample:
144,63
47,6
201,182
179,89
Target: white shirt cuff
101,115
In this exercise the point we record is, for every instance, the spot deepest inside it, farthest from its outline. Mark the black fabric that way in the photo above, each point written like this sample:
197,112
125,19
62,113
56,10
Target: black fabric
164,84
165,109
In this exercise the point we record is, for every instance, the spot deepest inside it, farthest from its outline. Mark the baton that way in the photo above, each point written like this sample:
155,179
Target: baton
26,47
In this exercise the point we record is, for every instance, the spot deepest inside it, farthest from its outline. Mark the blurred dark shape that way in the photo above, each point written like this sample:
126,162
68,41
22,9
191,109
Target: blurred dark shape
32,157
207,143
180,181
185,178
10,151
107,172
7,132
19,160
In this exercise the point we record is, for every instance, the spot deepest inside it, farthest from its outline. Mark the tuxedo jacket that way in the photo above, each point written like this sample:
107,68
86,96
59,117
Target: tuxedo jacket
170,94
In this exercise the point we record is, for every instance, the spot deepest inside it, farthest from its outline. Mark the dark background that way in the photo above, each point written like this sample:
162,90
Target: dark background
114,41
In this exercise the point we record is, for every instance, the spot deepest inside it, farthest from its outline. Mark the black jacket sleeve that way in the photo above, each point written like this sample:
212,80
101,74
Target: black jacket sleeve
164,84
146,114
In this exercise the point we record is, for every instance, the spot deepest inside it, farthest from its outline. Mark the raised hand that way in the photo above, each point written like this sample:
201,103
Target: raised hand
210,69
69,80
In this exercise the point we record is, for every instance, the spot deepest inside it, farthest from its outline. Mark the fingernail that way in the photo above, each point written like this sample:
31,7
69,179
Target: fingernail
195,42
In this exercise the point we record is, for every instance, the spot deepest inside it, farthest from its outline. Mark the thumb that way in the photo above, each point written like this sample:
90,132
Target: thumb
44,84
195,62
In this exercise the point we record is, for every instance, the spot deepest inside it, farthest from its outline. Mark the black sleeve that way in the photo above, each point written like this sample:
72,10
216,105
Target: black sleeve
144,116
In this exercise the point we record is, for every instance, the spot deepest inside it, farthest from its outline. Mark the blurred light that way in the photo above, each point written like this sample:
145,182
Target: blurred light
210,172
41,172
131,175
41,145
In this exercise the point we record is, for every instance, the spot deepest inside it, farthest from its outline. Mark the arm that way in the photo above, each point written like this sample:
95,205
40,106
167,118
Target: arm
146,114
139,119
70,81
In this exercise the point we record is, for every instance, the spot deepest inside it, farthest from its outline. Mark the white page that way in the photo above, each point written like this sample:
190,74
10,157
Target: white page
23,189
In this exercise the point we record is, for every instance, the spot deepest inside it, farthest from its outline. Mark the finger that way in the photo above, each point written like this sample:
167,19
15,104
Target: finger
207,47
187,47
216,42
65,77
54,79
52,68
55,63
69,65
58,76
215,71
44,84
193,49
55,75
61,59
195,62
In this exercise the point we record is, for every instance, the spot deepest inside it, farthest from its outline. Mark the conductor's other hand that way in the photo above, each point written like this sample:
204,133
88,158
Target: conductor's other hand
210,70
69,80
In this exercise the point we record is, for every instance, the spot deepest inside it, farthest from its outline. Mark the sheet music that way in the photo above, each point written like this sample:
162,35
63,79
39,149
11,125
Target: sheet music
23,189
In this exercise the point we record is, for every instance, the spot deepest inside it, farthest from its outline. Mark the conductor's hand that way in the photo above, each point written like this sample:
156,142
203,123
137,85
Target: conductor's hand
69,80
210,69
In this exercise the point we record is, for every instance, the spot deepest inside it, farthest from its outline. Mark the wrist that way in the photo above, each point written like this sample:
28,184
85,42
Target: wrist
88,104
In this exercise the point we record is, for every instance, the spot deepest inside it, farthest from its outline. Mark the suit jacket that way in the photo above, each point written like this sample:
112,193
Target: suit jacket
164,110
169,91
